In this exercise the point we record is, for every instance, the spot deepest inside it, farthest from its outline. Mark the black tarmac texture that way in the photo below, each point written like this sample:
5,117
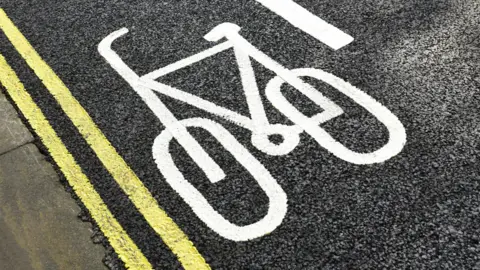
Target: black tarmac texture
419,58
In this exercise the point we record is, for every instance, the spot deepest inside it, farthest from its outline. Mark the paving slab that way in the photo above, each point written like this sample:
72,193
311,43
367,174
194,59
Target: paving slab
12,131
39,226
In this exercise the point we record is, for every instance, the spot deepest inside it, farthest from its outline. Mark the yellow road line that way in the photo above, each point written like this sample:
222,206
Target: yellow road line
120,241
170,233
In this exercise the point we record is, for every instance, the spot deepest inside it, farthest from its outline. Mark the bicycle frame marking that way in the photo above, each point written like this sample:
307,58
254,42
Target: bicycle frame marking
258,124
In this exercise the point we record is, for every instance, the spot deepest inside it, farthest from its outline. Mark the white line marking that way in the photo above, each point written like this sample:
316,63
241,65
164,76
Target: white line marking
309,23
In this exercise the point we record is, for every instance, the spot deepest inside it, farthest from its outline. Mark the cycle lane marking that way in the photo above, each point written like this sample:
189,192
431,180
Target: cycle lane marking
146,86
158,219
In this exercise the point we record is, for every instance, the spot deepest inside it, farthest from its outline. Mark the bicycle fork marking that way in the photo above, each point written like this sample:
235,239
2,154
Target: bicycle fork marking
258,124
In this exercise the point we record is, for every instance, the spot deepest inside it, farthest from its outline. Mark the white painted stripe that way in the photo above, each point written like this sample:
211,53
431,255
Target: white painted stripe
306,21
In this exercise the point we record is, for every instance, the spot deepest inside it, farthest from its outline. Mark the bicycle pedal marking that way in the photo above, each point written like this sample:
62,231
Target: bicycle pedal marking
257,123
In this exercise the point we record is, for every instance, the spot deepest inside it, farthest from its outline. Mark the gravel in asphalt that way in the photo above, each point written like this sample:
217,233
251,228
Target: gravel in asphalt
419,210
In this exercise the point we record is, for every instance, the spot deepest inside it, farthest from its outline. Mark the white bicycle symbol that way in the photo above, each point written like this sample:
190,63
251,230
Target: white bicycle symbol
258,124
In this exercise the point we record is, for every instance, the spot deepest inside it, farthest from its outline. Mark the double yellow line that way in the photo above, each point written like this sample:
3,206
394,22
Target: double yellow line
124,246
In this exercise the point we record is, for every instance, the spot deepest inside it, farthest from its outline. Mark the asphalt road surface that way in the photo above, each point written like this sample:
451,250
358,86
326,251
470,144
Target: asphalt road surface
417,209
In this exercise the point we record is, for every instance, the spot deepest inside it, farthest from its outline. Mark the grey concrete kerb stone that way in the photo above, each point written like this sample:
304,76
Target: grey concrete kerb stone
39,227
12,131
